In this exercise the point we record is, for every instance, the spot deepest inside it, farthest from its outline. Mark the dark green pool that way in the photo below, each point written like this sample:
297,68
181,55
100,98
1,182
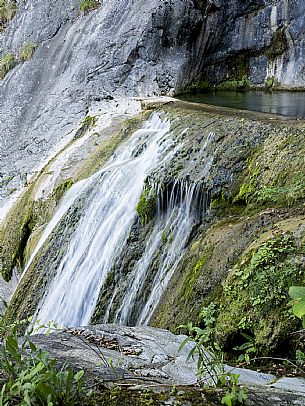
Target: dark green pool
279,102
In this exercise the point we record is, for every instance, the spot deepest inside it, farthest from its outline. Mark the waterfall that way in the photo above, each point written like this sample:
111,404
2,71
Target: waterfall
170,235
68,200
104,228
109,212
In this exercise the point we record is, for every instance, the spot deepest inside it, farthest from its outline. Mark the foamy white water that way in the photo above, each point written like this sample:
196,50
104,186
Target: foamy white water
104,228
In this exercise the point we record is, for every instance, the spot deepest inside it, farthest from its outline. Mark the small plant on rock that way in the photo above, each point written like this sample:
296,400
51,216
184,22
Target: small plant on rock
26,51
210,366
88,5
8,9
7,62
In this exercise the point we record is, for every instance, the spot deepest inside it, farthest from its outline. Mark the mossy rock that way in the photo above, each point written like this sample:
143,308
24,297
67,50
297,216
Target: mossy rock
255,300
146,206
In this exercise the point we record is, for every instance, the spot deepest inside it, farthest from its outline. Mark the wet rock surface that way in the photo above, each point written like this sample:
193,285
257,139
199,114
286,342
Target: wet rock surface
144,358
82,63
89,62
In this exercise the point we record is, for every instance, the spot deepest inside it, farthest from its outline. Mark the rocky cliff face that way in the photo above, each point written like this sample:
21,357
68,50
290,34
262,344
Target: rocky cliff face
252,39
130,48
125,48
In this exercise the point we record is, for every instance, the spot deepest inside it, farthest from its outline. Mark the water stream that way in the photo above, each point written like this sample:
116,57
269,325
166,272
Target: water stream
111,197
167,242
100,236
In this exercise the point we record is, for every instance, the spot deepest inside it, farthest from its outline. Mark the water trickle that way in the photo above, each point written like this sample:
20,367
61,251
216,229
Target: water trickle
104,227
178,213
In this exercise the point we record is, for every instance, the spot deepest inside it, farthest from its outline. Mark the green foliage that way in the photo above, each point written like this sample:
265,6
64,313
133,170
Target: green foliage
31,377
208,317
255,296
88,5
297,293
210,365
26,51
300,357
234,84
199,87
146,206
269,82
7,62
288,195
8,9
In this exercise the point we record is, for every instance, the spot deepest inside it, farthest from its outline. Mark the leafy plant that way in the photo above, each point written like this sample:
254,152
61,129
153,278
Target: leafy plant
208,316
32,377
297,293
7,62
210,366
26,51
300,357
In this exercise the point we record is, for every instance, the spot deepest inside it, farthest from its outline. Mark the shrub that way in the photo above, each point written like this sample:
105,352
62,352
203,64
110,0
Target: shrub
7,62
87,5
210,366
26,51
31,376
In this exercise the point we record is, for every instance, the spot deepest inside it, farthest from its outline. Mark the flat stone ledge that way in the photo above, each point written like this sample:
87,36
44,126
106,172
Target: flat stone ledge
146,357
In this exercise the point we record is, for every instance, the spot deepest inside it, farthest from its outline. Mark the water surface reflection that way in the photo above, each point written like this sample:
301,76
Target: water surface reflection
284,103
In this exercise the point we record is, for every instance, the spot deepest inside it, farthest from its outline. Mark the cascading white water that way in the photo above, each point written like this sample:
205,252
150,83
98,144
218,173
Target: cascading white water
172,231
104,228
110,198
68,200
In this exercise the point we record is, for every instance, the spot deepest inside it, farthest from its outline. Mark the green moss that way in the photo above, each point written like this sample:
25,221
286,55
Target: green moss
7,62
248,188
26,51
193,274
87,124
88,5
147,397
14,234
255,295
61,189
146,206
19,224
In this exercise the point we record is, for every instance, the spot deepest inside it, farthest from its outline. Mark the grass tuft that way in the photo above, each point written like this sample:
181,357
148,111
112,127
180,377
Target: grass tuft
7,62
26,51
8,9
88,5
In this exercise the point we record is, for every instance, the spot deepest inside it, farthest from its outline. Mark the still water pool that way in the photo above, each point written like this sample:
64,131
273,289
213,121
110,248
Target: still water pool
284,103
